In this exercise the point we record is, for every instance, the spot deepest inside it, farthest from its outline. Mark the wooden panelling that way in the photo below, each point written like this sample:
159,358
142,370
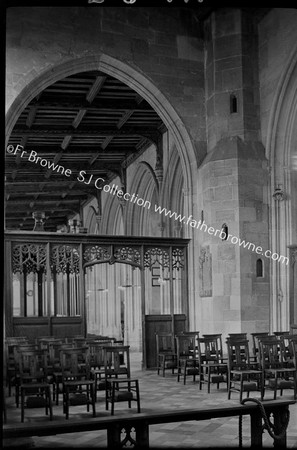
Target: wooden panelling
155,324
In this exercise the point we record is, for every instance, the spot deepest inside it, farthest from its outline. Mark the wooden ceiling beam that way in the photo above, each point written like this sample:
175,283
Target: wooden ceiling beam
66,141
99,105
23,143
31,115
124,118
75,150
94,90
48,191
55,161
79,117
143,131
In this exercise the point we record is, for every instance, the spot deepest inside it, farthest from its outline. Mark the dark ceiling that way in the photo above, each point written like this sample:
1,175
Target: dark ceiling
89,121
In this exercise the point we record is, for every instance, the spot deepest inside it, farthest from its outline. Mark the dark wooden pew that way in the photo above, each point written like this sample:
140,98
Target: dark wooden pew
141,422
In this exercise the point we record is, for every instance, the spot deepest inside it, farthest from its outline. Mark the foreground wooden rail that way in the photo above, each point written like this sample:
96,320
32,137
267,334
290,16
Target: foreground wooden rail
119,429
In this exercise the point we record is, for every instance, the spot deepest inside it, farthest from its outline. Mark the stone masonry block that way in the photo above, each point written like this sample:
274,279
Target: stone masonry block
232,79
218,284
247,214
225,215
226,252
235,302
236,286
223,193
232,315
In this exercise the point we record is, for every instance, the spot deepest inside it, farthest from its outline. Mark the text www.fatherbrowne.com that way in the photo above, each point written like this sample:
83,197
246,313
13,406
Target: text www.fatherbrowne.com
201,226
134,198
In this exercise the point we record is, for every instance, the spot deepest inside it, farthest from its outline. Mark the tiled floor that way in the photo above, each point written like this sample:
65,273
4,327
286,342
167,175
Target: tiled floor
163,394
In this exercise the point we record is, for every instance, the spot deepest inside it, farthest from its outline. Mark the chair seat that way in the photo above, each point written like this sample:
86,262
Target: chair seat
121,396
74,383
281,383
29,386
280,370
193,371
78,399
217,378
247,372
247,386
36,402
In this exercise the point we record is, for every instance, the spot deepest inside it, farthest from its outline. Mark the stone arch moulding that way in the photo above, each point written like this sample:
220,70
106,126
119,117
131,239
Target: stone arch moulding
143,183
128,75
278,150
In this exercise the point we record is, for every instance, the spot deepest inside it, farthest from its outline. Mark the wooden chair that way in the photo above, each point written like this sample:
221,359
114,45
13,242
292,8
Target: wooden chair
119,386
56,356
34,389
218,338
237,335
256,346
97,363
243,376
187,356
11,343
212,369
18,350
78,387
117,361
166,353
277,373
122,390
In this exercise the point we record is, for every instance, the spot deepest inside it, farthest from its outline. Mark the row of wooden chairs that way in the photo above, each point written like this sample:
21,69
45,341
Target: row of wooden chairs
76,370
271,365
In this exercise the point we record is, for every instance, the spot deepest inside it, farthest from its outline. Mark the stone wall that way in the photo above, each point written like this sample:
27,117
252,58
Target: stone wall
151,40
200,70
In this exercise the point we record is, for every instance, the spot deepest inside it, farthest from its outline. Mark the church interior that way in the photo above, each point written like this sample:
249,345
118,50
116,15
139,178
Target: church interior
150,194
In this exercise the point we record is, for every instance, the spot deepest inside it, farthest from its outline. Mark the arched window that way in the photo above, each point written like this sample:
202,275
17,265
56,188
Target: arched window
233,104
259,268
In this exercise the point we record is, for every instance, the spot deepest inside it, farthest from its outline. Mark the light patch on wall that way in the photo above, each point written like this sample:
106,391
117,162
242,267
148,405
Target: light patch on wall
190,48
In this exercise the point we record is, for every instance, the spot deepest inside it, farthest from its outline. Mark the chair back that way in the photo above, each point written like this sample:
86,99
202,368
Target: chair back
32,365
208,350
255,337
218,338
54,348
75,362
238,335
293,349
238,354
117,360
97,354
165,343
185,345
272,353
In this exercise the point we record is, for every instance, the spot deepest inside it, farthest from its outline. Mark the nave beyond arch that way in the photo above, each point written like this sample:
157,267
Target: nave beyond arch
164,129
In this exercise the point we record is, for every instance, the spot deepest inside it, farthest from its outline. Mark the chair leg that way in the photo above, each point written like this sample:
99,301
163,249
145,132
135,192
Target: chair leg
48,395
229,387
67,402
138,398
262,381
275,388
22,405
241,390
93,397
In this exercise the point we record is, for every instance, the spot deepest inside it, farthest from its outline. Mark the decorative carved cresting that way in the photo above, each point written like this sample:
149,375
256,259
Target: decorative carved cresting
293,256
155,256
205,272
128,437
96,253
127,254
28,258
65,259
178,259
